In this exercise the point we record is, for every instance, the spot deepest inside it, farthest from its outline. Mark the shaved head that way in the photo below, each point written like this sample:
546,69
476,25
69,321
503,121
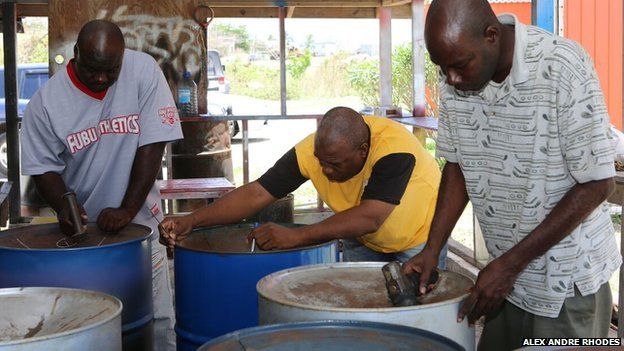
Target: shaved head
455,18
341,144
342,125
100,39
468,42
98,54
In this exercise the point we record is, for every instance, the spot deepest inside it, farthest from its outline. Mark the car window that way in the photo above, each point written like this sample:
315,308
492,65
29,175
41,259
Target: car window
211,68
32,82
214,64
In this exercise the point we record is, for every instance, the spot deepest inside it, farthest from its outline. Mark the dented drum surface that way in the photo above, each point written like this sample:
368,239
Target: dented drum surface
59,319
357,291
216,276
119,264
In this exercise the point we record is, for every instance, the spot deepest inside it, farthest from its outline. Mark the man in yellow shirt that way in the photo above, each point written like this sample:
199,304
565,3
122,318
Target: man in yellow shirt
372,172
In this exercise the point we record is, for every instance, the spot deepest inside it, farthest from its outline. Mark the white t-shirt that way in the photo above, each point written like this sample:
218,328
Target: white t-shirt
521,147
91,139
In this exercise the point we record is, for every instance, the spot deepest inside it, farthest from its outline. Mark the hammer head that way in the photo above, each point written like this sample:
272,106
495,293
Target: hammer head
403,289
80,230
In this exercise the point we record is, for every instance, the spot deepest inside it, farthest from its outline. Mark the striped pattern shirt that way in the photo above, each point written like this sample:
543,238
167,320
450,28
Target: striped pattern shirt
522,145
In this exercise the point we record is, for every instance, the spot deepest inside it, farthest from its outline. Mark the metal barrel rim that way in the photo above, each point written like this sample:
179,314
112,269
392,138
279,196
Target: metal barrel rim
263,293
250,225
72,249
266,329
117,313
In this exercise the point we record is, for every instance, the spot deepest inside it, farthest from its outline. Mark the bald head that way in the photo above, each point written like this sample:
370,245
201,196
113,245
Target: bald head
341,144
342,125
98,54
100,39
456,18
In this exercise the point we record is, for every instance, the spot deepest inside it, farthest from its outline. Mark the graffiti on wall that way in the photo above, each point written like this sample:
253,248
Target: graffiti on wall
175,42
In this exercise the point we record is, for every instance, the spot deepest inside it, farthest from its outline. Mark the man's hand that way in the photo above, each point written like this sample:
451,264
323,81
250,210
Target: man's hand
488,294
64,218
112,219
174,229
424,263
271,236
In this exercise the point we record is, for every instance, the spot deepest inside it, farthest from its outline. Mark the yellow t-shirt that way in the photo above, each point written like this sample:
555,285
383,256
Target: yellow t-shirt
408,224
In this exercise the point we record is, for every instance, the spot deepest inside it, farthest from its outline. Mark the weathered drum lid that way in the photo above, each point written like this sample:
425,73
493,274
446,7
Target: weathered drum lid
349,286
35,314
331,336
231,239
49,236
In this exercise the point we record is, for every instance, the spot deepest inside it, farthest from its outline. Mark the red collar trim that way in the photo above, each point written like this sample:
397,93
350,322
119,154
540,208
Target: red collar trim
78,84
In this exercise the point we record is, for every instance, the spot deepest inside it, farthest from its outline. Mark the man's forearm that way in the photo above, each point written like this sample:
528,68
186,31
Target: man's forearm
234,206
452,199
51,187
363,219
147,163
578,203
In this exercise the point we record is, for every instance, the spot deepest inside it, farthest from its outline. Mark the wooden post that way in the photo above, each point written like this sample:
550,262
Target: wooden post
9,18
282,29
418,57
245,151
385,55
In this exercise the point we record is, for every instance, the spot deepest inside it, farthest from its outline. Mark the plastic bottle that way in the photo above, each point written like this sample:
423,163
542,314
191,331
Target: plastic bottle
187,96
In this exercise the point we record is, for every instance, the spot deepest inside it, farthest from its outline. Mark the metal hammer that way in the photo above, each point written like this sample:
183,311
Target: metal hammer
80,230
403,290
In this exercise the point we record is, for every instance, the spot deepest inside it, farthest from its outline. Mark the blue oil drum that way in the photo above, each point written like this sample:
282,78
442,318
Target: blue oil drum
118,264
216,277
332,336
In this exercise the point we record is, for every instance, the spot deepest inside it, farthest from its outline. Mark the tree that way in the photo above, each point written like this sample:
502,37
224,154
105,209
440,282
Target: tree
32,45
364,78
297,65
239,32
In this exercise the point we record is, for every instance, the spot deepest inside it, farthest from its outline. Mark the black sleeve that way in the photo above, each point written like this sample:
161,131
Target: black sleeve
284,177
389,178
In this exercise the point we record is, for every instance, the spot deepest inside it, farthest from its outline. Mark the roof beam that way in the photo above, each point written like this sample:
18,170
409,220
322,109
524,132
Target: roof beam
398,12
290,11
386,3
41,9
31,10
288,3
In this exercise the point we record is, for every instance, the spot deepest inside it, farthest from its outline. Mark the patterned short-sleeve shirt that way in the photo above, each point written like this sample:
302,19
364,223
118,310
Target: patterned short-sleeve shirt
522,145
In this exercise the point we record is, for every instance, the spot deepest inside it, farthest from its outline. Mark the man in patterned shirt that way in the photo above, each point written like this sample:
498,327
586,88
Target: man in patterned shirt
525,132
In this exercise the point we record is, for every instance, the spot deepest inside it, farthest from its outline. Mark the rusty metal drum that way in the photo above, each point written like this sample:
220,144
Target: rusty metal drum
216,277
282,210
357,291
59,319
119,264
332,336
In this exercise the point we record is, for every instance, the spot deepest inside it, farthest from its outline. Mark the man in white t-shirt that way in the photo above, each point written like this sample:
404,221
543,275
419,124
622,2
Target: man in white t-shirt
99,128
525,132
